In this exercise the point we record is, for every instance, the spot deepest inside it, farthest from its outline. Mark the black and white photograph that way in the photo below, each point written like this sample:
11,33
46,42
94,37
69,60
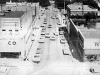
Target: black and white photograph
49,37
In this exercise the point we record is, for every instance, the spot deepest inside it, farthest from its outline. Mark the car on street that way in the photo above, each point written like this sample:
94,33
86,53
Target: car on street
49,26
57,17
38,51
33,38
45,22
52,38
43,33
55,33
41,40
52,17
58,23
37,58
61,32
47,35
44,28
66,52
63,41
42,25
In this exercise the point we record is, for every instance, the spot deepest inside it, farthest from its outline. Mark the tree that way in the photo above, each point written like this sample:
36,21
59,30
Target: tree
44,3
35,0
29,0
14,0
32,1
88,17
7,0
91,3
60,3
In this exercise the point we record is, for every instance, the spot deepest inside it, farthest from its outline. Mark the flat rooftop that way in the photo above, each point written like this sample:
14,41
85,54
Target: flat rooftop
78,7
12,14
89,33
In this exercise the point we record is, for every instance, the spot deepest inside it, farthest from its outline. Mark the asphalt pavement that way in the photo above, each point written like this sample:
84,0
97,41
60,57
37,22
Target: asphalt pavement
52,59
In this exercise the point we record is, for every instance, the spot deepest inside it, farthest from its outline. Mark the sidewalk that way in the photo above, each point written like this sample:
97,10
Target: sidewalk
61,19
72,48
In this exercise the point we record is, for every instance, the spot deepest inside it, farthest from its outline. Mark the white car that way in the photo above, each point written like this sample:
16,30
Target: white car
61,32
42,25
63,41
41,40
45,22
49,26
53,17
37,58
47,35
53,38
33,38
56,34
58,23
66,52
55,10
38,51
57,17
42,33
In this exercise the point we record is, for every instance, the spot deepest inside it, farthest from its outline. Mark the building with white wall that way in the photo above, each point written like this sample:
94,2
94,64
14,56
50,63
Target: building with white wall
79,9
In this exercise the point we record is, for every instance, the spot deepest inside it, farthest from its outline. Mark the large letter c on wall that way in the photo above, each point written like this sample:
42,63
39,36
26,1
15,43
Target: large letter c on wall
9,42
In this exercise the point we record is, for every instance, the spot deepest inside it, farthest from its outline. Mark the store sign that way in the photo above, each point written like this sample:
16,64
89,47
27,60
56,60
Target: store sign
97,43
11,43
92,43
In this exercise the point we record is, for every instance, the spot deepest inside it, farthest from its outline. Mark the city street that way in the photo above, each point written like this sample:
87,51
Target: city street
52,51
53,61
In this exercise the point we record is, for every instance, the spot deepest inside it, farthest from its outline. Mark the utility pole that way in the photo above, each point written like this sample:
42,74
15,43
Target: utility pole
35,10
82,8
64,6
